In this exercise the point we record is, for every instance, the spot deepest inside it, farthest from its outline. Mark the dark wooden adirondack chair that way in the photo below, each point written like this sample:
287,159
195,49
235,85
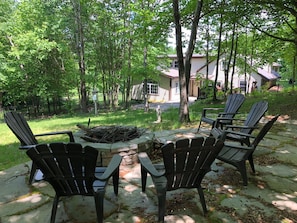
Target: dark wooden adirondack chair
238,155
185,165
250,124
19,126
233,103
71,170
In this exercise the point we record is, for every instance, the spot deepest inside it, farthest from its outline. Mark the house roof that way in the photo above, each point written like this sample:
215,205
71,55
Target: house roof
170,72
268,75
276,73
173,73
195,55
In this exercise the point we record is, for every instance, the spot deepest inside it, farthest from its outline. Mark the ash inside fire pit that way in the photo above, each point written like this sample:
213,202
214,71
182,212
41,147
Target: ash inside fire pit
110,134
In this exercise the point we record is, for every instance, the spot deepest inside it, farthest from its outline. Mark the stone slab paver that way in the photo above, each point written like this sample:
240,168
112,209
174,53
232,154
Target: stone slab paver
271,195
10,181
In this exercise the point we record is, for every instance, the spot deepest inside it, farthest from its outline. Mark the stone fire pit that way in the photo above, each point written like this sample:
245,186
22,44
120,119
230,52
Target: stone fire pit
109,140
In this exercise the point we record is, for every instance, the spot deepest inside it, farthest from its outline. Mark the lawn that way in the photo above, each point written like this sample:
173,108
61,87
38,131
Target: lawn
279,103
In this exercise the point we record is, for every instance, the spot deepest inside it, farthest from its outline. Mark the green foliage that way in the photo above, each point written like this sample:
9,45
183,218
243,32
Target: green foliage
283,103
38,66
123,41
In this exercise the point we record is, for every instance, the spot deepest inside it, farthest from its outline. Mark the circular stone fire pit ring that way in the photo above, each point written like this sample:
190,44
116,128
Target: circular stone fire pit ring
126,141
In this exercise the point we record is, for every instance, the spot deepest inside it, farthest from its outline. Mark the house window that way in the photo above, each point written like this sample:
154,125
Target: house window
276,68
223,65
175,64
152,87
242,85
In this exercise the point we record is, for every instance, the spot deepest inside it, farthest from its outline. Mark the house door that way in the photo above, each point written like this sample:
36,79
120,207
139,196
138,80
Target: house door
193,89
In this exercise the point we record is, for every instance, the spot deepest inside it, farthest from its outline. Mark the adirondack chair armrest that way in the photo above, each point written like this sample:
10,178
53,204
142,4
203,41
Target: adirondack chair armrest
238,133
111,168
69,133
227,113
26,146
204,110
239,147
215,109
240,127
228,119
221,134
224,119
146,163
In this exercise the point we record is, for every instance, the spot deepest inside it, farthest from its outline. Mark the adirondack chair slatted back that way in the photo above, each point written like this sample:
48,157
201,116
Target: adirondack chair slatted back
19,126
69,168
233,104
265,129
256,113
187,162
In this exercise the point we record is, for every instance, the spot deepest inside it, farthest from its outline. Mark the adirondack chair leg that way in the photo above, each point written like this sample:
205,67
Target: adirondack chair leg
199,126
202,200
251,161
32,173
99,201
54,209
115,180
161,193
242,169
222,126
143,178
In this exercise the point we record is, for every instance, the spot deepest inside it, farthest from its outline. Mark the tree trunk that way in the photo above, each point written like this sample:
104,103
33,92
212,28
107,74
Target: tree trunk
207,52
48,106
183,108
145,93
218,58
81,54
294,69
230,58
128,81
185,69
115,98
234,62
295,57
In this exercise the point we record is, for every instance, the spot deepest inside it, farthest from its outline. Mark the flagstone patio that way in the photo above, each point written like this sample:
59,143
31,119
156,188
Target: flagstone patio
271,195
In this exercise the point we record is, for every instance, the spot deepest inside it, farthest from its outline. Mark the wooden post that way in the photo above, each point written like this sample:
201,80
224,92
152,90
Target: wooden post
158,111
95,101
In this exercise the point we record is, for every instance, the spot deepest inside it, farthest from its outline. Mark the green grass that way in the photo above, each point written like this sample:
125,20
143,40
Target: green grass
283,103
279,103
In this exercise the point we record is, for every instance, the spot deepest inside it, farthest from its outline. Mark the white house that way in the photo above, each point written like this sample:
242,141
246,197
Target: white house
167,86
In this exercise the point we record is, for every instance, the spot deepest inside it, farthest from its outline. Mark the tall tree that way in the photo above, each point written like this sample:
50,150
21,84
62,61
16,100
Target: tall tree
80,50
35,61
6,10
278,21
184,68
